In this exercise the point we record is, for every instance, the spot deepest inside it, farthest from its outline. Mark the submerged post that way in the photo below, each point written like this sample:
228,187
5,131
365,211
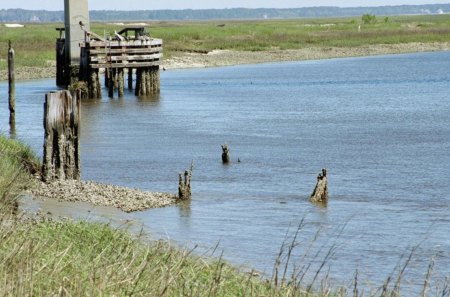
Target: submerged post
11,90
320,193
225,154
61,145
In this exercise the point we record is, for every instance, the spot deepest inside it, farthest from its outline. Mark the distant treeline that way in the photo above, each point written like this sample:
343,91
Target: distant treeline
22,15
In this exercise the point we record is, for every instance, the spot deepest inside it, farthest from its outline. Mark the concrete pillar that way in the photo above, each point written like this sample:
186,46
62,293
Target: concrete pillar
76,12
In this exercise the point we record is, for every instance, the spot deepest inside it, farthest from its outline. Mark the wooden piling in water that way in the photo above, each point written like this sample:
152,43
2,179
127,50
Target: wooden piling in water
61,78
130,79
94,87
110,83
106,77
320,193
144,78
156,80
148,82
138,81
184,184
61,144
114,77
11,90
225,154
120,82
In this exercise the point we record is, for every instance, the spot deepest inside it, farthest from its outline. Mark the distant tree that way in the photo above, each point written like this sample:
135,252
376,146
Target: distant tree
369,18
386,19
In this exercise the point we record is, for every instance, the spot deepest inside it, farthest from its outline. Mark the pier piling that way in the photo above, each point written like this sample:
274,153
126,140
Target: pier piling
225,154
61,144
320,193
11,90
130,79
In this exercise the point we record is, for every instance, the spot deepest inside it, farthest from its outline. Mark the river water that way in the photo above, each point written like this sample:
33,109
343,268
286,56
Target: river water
380,125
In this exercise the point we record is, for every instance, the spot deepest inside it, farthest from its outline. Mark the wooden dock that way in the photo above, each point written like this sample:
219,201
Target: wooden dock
131,50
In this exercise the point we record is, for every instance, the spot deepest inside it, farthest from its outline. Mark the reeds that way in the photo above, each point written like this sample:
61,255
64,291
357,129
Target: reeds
42,257
35,44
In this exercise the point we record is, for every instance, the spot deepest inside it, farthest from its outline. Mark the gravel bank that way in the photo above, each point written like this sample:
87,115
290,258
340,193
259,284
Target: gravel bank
126,199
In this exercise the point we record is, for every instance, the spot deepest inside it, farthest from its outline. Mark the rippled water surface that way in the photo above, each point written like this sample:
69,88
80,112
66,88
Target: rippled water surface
381,125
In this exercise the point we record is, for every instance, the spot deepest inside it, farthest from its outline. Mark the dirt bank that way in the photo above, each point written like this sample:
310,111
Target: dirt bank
230,57
126,199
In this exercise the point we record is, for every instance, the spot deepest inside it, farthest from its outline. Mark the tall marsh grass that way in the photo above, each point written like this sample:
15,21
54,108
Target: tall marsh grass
35,43
17,161
43,257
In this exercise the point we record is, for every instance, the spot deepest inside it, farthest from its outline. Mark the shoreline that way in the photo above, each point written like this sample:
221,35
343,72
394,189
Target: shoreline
219,58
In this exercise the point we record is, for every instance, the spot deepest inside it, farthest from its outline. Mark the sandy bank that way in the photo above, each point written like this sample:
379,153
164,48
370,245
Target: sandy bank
126,199
230,57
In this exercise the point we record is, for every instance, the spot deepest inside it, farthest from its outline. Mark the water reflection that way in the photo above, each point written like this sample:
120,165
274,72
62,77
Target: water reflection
153,99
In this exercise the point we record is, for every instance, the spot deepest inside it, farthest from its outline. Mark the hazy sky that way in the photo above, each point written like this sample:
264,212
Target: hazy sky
204,4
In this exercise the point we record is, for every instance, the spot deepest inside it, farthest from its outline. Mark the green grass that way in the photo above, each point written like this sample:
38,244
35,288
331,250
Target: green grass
87,259
35,44
16,162
41,257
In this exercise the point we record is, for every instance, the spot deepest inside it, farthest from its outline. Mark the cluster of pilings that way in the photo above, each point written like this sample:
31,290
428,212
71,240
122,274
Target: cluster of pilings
147,81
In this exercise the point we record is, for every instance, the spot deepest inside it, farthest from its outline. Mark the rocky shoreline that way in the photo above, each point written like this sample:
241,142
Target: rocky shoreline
126,199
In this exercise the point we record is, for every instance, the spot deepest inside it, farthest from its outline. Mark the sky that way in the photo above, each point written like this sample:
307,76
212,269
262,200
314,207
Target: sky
205,4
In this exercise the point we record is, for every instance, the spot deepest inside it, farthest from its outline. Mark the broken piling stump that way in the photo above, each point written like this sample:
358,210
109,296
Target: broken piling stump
61,145
184,184
225,154
320,193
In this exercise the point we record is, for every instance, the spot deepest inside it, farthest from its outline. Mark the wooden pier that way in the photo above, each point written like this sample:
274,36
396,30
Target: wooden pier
131,51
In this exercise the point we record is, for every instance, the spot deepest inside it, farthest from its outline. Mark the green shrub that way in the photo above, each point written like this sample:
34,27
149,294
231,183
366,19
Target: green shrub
369,19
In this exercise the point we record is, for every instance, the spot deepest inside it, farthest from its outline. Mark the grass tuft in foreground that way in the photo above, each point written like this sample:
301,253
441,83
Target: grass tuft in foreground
87,259
17,161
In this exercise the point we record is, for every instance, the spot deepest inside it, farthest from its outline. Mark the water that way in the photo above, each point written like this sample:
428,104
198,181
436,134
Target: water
380,125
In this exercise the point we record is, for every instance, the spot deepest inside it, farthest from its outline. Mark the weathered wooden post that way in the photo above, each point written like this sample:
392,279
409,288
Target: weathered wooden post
320,193
225,154
156,80
61,58
11,90
184,184
110,83
106,77
120,82
61,145
130,79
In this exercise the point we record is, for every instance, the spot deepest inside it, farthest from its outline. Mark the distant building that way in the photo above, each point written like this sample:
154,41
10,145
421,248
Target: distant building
14,26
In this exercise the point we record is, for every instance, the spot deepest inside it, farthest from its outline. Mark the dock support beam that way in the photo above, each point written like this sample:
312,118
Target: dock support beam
130,79
120,82
147,81
94,87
